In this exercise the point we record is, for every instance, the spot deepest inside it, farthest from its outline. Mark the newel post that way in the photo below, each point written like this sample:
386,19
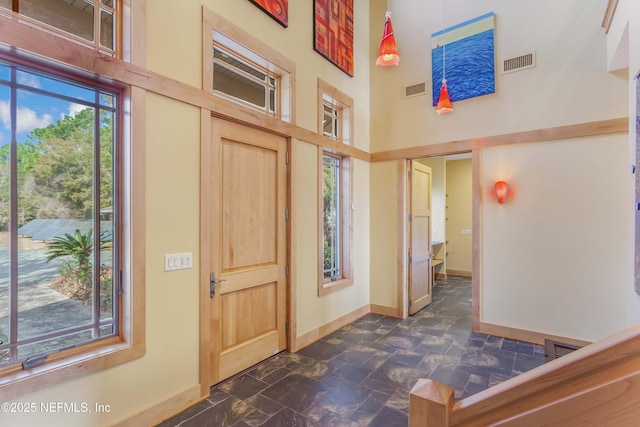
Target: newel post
430,404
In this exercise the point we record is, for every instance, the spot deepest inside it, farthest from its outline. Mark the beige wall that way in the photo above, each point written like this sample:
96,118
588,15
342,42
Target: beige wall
171,363
384,234
314,311
569,85
459,209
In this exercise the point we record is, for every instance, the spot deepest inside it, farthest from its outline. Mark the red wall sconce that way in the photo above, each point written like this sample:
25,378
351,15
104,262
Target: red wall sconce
502,188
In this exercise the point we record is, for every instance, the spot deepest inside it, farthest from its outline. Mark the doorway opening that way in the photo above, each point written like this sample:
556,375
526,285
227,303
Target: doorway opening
451,216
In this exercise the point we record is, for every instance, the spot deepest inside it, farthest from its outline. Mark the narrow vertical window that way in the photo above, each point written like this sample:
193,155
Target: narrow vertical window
332,218
335,122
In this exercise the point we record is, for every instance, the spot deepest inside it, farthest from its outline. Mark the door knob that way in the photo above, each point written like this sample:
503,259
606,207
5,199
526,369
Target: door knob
212,284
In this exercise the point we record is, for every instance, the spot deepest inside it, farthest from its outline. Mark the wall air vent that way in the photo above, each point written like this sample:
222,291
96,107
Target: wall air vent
415,90
519,63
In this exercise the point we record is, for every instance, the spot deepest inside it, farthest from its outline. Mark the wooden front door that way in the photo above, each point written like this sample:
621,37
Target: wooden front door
248,247
419,227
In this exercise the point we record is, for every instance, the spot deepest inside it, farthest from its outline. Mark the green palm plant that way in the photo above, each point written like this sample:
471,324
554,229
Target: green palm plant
78,246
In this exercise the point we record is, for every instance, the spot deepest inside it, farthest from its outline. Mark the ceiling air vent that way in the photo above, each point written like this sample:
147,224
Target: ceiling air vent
519,63
415,90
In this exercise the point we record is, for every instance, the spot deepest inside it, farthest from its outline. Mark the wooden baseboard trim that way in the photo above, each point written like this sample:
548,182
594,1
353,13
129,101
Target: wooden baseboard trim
463,273
526,336
385,311
441,276
314,335
165,409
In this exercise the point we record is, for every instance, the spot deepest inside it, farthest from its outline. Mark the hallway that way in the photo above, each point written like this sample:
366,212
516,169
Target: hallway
361,375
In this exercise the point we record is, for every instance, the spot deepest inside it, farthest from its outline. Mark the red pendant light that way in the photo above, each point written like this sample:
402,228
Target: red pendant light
444,102
388,51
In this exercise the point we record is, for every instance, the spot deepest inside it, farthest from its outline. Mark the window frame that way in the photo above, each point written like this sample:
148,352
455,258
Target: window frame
17,69
117,9
345,225
230,37
129,341
266,110
334,114
343,105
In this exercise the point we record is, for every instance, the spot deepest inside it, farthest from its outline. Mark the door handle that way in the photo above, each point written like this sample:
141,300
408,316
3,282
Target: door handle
212,284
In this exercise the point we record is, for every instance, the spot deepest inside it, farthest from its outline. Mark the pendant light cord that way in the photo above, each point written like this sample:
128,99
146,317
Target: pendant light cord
444,44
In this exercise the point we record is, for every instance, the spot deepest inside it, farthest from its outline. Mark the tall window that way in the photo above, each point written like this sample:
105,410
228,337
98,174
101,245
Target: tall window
91,22
332,218
59,245
335,122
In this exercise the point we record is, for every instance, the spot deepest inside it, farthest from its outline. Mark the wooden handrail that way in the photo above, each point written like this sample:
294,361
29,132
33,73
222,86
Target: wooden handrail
600,381
610,12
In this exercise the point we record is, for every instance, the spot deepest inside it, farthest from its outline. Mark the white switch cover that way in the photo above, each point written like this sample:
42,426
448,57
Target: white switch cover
466,231
178,261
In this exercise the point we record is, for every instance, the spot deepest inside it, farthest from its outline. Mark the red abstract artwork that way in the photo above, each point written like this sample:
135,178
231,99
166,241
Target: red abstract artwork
277,9
333,32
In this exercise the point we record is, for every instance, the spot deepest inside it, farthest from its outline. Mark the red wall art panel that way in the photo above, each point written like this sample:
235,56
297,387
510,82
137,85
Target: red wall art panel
277,9
333,32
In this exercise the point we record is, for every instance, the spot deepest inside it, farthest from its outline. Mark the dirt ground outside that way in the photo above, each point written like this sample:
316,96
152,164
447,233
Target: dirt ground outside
23,242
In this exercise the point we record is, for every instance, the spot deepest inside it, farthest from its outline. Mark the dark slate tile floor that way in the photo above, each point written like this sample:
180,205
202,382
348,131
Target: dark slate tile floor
361,375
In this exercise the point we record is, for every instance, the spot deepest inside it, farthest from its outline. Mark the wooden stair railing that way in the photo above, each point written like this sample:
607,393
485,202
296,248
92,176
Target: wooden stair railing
597,385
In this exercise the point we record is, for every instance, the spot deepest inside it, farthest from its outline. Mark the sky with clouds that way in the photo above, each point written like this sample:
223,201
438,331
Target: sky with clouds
35,110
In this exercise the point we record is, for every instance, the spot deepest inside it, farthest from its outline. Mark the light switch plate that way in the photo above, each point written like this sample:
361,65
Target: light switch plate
179,261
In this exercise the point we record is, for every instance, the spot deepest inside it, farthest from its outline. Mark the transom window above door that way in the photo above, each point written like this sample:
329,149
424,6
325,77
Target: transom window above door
245,82
239,68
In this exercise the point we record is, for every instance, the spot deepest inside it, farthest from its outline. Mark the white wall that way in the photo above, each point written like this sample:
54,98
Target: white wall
634,71
553,255
623,51
569,84
625,32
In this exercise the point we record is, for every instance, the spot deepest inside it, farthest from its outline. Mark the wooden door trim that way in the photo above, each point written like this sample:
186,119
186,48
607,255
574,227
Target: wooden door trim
403,209
206,188
418,258
206,185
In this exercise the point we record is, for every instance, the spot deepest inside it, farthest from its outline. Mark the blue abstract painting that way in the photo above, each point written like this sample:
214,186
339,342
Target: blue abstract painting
469,58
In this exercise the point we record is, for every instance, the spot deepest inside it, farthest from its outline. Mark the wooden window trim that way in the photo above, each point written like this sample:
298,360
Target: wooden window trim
328,94
216,28
130,344
341,101
118,6
346,230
